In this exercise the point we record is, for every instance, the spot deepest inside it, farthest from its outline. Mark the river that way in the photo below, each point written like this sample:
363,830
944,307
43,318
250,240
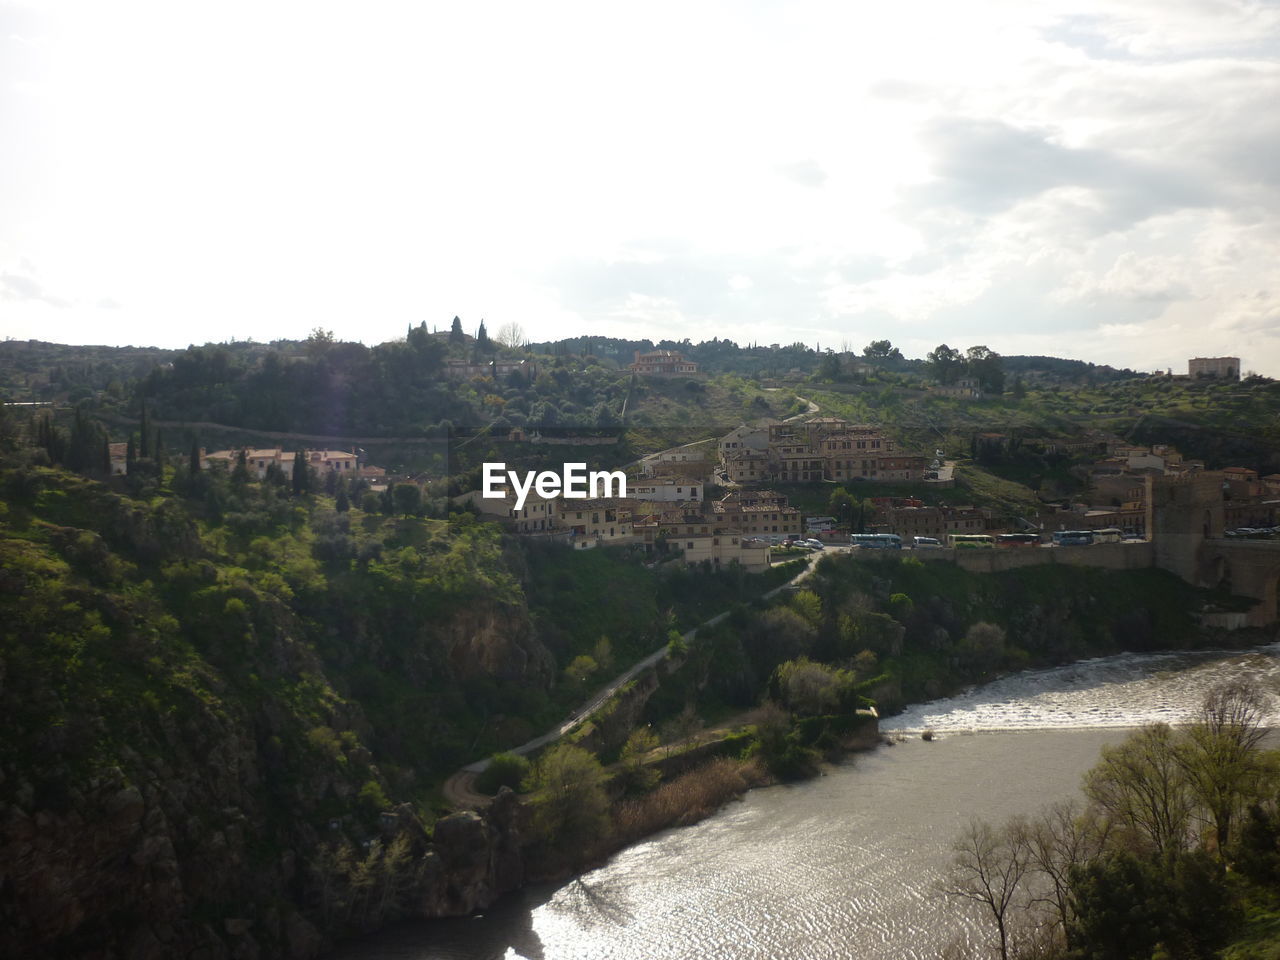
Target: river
847,864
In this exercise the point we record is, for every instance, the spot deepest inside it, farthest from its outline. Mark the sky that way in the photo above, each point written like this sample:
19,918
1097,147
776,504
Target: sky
1096,180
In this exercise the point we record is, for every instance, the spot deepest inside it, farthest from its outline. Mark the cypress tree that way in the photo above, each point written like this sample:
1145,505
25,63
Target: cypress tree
482,338
144,449
300,484
106,455
455,332
240,475
130,455
195,457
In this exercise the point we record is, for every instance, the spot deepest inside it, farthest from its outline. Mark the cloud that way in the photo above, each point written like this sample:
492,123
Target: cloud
985,167
15,286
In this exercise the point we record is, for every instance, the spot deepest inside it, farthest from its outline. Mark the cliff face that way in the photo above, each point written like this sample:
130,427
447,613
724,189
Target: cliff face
210,739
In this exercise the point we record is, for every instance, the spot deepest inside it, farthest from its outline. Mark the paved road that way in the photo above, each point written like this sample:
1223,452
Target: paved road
459,788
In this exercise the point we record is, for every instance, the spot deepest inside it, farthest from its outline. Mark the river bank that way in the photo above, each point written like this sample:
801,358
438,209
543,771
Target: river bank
845,862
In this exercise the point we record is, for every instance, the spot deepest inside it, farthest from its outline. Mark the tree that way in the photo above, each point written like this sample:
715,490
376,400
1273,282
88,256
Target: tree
987,868
1118,908
1019,389
482,339
570,807
1060,839
503,770
829,366
987,367
511,335
1221,757
455,332
144,430
301,479
580,671
945,364
1141,787
194,465
342,502
811,688
240,475
840,505
319,341
408,498
881,350
634,774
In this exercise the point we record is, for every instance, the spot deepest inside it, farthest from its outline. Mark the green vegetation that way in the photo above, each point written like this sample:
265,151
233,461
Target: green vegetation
1174,855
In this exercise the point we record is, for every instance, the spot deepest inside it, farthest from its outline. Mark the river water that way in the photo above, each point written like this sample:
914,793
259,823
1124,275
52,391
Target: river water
846,865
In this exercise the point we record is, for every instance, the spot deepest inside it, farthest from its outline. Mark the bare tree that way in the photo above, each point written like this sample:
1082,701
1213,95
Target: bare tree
1061,837
1221,755
988,867
511,335
1140,785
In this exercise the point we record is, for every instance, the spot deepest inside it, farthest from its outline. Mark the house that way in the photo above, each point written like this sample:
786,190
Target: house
668,489
596,523
724,548
745,438
663,363
963,389
537,515
462,370
119,458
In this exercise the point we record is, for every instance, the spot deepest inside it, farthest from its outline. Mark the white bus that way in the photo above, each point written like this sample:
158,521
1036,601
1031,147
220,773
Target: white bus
876,541
1108,535
971,541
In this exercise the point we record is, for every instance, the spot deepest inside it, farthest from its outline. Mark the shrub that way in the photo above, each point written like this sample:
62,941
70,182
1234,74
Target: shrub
504,770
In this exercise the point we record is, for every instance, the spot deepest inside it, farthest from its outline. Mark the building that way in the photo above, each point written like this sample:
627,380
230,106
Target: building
663,363
763,513
724,548
825,448
596,523
1224,368
936,522
119,458
537,516
462,370
962,389
341,462
754,438
668,489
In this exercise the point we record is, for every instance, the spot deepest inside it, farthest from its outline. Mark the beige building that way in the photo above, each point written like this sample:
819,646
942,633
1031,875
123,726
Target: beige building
1224,368
724,548
597,523
663,363
825,448
536,516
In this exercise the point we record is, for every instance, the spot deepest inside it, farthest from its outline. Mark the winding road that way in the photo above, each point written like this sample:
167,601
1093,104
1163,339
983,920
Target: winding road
459,790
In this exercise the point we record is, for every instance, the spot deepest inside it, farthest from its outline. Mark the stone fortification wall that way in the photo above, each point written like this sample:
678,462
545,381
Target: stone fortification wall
1133,555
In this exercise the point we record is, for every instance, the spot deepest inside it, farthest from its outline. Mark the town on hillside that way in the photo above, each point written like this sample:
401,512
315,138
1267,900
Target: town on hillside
712,503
